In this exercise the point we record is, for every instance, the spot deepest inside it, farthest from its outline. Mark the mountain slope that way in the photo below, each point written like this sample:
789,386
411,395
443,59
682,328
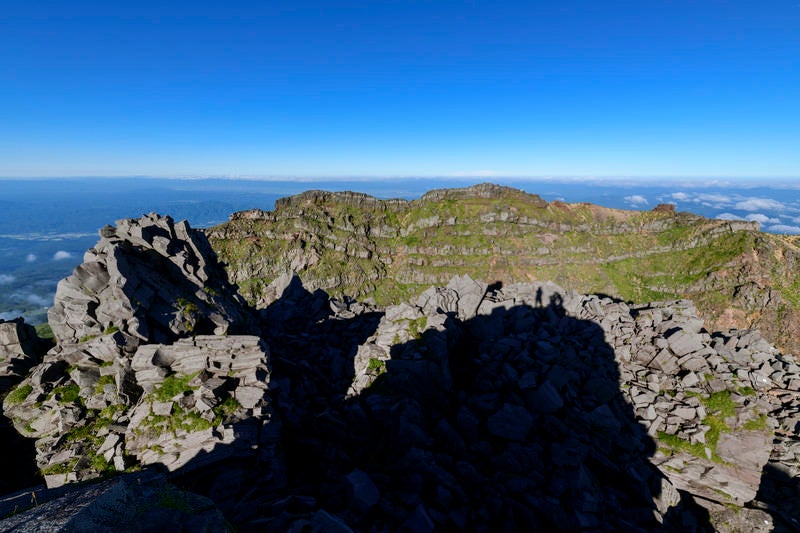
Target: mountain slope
354,244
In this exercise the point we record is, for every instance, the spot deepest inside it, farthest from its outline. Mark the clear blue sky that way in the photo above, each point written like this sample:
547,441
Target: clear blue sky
417,88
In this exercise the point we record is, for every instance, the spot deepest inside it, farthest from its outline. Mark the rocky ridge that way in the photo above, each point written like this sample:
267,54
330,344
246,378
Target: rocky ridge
391,250
515,406
142,385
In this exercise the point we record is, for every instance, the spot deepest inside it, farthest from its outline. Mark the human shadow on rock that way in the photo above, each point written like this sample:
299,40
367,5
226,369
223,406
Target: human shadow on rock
508,421
779,494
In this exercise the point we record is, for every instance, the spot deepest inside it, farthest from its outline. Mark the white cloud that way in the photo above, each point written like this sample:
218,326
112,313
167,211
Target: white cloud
763,219
35,299
728,216
713,198
783,228
760,204
6,279
636,200
61,254
46,237
10,315
30,258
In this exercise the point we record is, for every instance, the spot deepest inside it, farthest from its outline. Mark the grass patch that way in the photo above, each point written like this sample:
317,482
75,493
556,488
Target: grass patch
67,394
44,331
227,408
376,366
100,464
110,412
720,403
19,394
746,391
180,420
417,326
757,424
172,386
190,313
60,468
102,382
678,444
719,406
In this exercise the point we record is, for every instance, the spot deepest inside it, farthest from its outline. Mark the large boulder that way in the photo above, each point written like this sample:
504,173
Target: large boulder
150,278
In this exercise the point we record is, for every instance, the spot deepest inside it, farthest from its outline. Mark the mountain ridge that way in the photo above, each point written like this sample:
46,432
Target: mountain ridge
357,245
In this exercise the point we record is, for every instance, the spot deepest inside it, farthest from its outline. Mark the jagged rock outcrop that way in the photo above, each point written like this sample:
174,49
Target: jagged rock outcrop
20,349
141,385
391,250
150,278
94,409
199,394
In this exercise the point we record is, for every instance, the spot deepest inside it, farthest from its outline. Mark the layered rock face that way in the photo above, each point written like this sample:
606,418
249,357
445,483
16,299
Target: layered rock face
132,381
391,250
149,278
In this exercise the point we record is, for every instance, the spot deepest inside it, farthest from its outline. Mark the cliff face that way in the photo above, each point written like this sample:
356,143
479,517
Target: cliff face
353,244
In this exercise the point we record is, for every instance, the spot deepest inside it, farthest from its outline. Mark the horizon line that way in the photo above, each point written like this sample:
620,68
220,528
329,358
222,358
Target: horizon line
686,180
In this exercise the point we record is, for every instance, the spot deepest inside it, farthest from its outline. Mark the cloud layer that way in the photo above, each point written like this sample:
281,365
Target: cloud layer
636,200
780,214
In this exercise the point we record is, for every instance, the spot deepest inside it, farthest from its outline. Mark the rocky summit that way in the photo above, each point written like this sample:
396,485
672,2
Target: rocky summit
479,403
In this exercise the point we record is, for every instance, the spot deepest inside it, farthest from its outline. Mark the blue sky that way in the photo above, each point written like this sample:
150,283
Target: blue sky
428,88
